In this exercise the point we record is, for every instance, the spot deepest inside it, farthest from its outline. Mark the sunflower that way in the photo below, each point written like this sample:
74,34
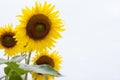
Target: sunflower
7,41
39,27
53,59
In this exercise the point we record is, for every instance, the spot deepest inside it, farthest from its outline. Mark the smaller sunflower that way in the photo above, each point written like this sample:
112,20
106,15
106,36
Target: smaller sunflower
53,59
7,41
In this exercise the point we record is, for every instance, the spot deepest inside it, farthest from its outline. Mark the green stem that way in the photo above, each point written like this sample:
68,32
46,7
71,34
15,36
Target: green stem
45,77
8,58
27,61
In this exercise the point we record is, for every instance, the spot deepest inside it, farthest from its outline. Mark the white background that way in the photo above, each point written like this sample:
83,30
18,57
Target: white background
91,43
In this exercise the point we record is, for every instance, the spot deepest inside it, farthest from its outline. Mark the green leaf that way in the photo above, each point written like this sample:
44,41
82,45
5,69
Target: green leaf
18,58
15,67
3,61
7,70
42,69
50,70
15,76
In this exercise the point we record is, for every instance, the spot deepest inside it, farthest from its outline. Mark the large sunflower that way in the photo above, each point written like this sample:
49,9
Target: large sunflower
39,27
53,59
8,42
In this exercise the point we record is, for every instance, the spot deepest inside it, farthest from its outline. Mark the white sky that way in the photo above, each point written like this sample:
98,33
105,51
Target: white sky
91,43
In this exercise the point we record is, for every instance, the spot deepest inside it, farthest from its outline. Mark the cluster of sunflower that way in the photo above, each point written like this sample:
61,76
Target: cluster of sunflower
38,29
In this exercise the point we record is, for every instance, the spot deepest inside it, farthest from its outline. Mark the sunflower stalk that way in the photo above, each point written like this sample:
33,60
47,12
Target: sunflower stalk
8,58
27,61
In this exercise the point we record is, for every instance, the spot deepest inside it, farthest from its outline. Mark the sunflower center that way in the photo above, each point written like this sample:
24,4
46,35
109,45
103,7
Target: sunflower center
7,40
45,60
38,26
